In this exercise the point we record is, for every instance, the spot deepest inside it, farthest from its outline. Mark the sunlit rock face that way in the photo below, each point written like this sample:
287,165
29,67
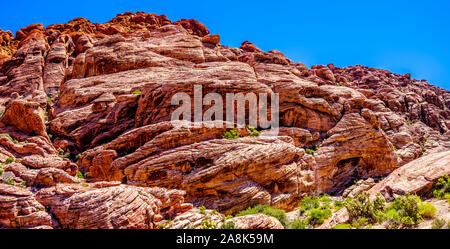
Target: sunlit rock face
85,125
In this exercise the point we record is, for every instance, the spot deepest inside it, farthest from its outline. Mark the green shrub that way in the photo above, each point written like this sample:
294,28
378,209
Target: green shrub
231,134
9,160
267,210
312,150
77,157
9,181
321,202
22,185
409,122
427,210
81,175
207,223
228,225
202,209
337,205
253,132
362,207
1,171
361,223
137,92
298,223
63,154
405,209
309,151
9,137
342,226
438,224
317,216
308,203
442,188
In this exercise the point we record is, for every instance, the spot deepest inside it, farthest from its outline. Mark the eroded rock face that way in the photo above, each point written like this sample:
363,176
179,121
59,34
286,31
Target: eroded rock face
256,221
26,116
353,147
100,96
19,209
359,187
112,207
195,219
418,176
223,174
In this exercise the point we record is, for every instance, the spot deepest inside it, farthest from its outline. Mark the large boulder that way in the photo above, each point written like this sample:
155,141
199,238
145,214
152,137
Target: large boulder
418,176
111,207
19,209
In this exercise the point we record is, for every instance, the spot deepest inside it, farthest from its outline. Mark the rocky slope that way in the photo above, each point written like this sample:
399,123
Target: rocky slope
94,100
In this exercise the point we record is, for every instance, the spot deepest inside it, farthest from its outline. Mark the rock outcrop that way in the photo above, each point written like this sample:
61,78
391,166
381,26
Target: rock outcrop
418,176
85,128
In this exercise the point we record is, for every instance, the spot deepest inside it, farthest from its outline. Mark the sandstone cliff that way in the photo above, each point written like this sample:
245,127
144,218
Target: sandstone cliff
94,100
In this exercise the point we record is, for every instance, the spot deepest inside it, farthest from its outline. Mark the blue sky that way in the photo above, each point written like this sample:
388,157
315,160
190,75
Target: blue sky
398,35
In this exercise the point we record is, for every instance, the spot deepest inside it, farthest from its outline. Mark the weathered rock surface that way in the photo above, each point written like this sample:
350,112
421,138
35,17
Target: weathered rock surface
337,218
358,187
100,95
194,218
19,209
226,175
418,176
77,206
256,221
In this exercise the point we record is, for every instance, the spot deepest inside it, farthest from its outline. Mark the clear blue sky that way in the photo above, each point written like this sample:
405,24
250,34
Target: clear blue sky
398,35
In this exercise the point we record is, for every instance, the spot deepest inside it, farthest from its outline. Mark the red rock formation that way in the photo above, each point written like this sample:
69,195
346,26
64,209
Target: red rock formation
418,176
104,91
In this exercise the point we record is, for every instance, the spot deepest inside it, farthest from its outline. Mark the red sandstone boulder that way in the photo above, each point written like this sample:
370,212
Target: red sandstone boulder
418,176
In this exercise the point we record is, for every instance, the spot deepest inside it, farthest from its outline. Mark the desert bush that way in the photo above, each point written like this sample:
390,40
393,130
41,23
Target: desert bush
231,134
81,175
267,210
442,188
308,203
298,223
427,210
253,132
317,216
207,223
343,226
405,210
438,224
309,151
9,160
337,205
10,181
361,223
361,207
228,225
